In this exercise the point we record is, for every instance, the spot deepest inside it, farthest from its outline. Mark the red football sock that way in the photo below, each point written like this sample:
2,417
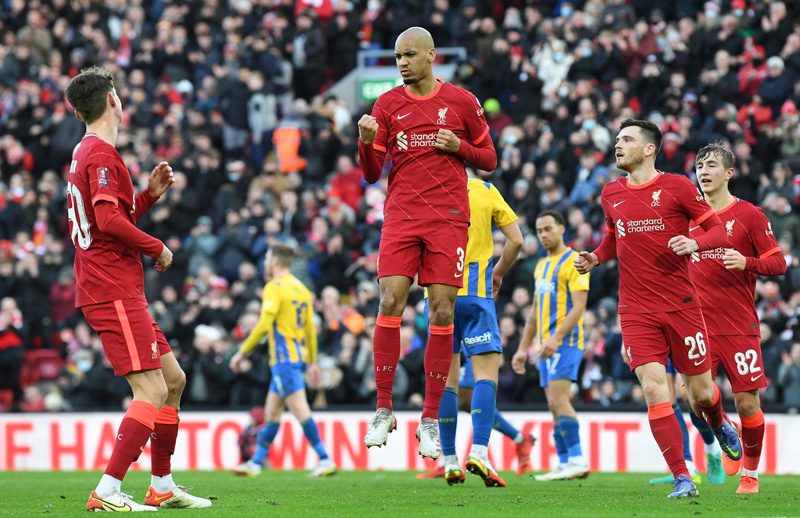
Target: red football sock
162,445
752,438
386,353
133,433
438,355
668,436
714,413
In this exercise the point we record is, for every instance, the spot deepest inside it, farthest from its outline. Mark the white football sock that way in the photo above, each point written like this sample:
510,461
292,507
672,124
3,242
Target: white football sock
107,485
162,484
480,451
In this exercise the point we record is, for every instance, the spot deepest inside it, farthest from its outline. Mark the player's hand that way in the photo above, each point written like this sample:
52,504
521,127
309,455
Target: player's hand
549,348
164,260
683,245
313,374
447,141
519,360
624,354
160,180
497,281
734,260
367,129
585,262
236,359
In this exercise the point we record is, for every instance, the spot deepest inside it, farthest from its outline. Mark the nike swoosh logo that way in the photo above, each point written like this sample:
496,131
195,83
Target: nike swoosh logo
123,508
749,446
620,202
160,498
459,274
692,229
753,379
701,361
665,451
401,116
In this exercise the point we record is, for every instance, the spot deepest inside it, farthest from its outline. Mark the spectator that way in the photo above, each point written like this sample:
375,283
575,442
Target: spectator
788,376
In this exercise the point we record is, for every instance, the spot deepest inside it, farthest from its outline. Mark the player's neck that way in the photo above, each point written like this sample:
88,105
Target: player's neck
279,272
424,86
719,200
557,251
104,129
642,174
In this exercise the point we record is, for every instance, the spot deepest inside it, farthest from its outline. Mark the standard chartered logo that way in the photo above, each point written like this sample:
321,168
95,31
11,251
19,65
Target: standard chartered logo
402,141
416,140
639,225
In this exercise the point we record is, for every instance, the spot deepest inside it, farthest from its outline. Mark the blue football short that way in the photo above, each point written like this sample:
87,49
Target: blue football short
475,329
287,378
564,365
671,368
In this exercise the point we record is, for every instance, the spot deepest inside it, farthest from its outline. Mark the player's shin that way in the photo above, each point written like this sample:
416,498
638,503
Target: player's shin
162,446
265,438
132,435
312,434
484,399
713,410
438,355
687,451
667,434
752,439
386,353
448,420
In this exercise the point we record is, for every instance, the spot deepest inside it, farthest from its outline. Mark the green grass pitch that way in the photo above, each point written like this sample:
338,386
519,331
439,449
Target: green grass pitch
367,494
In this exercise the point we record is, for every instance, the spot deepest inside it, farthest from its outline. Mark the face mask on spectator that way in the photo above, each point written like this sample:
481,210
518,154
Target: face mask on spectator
558,57
589,124
563,91
587,52
661,42
711,14
84,365
738,12
566,12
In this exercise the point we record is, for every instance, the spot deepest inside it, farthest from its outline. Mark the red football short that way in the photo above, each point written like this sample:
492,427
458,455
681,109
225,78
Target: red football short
434,249
741,358
681,335
132,340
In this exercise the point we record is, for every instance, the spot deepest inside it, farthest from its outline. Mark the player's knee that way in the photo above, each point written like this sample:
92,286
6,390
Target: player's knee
654,391
390,305
177,384
747,407
441,315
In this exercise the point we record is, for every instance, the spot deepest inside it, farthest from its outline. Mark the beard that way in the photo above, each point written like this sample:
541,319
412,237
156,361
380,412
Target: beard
409,80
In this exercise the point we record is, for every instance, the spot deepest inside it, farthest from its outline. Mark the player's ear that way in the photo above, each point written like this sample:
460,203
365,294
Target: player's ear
431,55
111,100
729,173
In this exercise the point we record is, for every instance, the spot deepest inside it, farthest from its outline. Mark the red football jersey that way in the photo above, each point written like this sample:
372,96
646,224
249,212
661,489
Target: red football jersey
652,278
728,296
105,269
424,182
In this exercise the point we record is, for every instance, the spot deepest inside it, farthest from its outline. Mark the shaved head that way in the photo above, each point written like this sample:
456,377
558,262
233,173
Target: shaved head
416,37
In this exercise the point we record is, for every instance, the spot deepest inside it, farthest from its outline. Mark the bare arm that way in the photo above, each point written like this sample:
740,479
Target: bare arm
510,252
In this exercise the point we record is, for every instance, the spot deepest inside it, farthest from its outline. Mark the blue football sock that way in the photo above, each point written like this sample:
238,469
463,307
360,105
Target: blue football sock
312,434
687,451
448,420
705,431
569,429
265,438
503,426
561,444
483,403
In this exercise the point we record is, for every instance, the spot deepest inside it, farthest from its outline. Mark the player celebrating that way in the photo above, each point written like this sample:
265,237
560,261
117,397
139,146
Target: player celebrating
648,214
726,283
556,320
287,316
430,129
102,215
476,331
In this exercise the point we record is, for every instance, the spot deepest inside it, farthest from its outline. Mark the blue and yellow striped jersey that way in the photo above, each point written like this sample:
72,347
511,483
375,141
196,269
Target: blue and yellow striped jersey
487,207
287,316
556,278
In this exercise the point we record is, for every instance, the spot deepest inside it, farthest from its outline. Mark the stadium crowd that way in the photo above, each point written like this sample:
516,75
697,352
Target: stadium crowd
232,95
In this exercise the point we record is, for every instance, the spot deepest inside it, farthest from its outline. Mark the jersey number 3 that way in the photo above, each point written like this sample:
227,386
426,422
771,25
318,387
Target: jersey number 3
76,212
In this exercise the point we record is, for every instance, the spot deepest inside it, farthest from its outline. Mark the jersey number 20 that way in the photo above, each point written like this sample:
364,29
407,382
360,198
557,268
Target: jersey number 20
76,212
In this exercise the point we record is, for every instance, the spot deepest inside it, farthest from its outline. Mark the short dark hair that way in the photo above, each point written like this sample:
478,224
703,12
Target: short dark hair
284,254
718,149
87,92
650,132
559,219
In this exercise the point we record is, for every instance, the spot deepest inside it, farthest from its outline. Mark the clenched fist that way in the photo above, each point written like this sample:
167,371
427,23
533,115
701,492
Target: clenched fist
367,129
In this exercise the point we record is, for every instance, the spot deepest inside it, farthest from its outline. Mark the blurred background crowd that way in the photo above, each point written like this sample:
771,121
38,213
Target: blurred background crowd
232,95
